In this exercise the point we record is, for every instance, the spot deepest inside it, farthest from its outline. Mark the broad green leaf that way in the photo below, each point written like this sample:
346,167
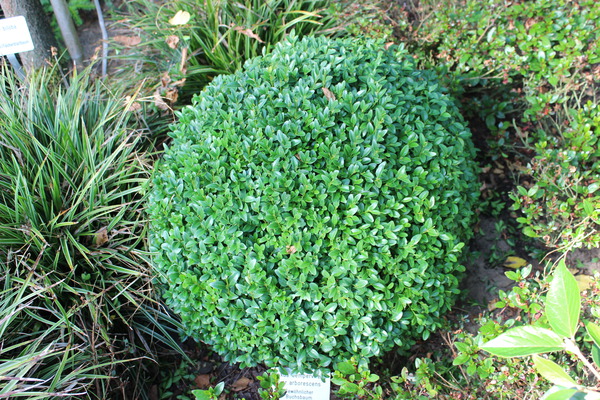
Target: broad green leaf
594,331
553,372
524,341
557,393
349,387
563,302
346,368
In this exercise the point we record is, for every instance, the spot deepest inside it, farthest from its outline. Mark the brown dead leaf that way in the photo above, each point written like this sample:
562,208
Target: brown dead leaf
290,249
248,32
127,40
172,41
172,95
492,305
182,67
101,237
328,94
241,384
388,45
165,79
179,83
202,381
584,282
159,102
132,105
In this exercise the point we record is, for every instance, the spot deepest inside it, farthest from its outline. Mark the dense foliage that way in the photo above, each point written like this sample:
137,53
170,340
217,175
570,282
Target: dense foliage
563,206
314,205
528,69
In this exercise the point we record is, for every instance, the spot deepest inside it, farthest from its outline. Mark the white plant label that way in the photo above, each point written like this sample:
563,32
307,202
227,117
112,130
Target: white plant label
305,387
14,36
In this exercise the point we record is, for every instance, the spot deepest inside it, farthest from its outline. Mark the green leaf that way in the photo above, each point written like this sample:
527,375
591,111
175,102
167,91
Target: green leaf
588,207
563,302
557,393
461,359
524,341
553,372
349,387
202,394
346,368
596,355
594,331
219,388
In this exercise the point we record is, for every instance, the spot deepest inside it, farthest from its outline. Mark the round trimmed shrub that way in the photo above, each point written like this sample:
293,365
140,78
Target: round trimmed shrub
313,206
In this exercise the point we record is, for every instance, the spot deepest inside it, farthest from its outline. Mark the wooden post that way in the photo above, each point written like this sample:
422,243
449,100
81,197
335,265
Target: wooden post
39,28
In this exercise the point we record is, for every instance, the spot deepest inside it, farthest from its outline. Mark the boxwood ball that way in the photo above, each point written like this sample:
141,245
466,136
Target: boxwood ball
313,206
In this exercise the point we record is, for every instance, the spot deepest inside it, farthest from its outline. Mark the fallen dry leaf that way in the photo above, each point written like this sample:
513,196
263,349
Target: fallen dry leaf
492,305
248,32
202,381
328,94
180,18
179,82
165,79
101,237
388,45
241,384
172,41
515,262
584,282
132,105
159,102
127,40
290,249
172,95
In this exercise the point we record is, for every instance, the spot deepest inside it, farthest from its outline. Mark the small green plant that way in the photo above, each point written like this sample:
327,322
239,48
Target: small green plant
320,196
211,393
355,380
271,387
562,311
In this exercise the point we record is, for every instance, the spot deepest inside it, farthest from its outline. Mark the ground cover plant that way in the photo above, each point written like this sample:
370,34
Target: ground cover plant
529,71
321,197
79,317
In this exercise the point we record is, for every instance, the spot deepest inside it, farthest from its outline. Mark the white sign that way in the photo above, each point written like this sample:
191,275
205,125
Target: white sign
14,36
305,387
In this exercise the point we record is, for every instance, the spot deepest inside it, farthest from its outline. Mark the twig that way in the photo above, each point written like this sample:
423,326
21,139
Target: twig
571,347
104,36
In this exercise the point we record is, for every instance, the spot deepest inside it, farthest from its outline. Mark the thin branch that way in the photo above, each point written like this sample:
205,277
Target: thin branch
104,36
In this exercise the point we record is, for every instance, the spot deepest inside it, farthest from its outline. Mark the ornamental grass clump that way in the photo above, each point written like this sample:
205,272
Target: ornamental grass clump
314,205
